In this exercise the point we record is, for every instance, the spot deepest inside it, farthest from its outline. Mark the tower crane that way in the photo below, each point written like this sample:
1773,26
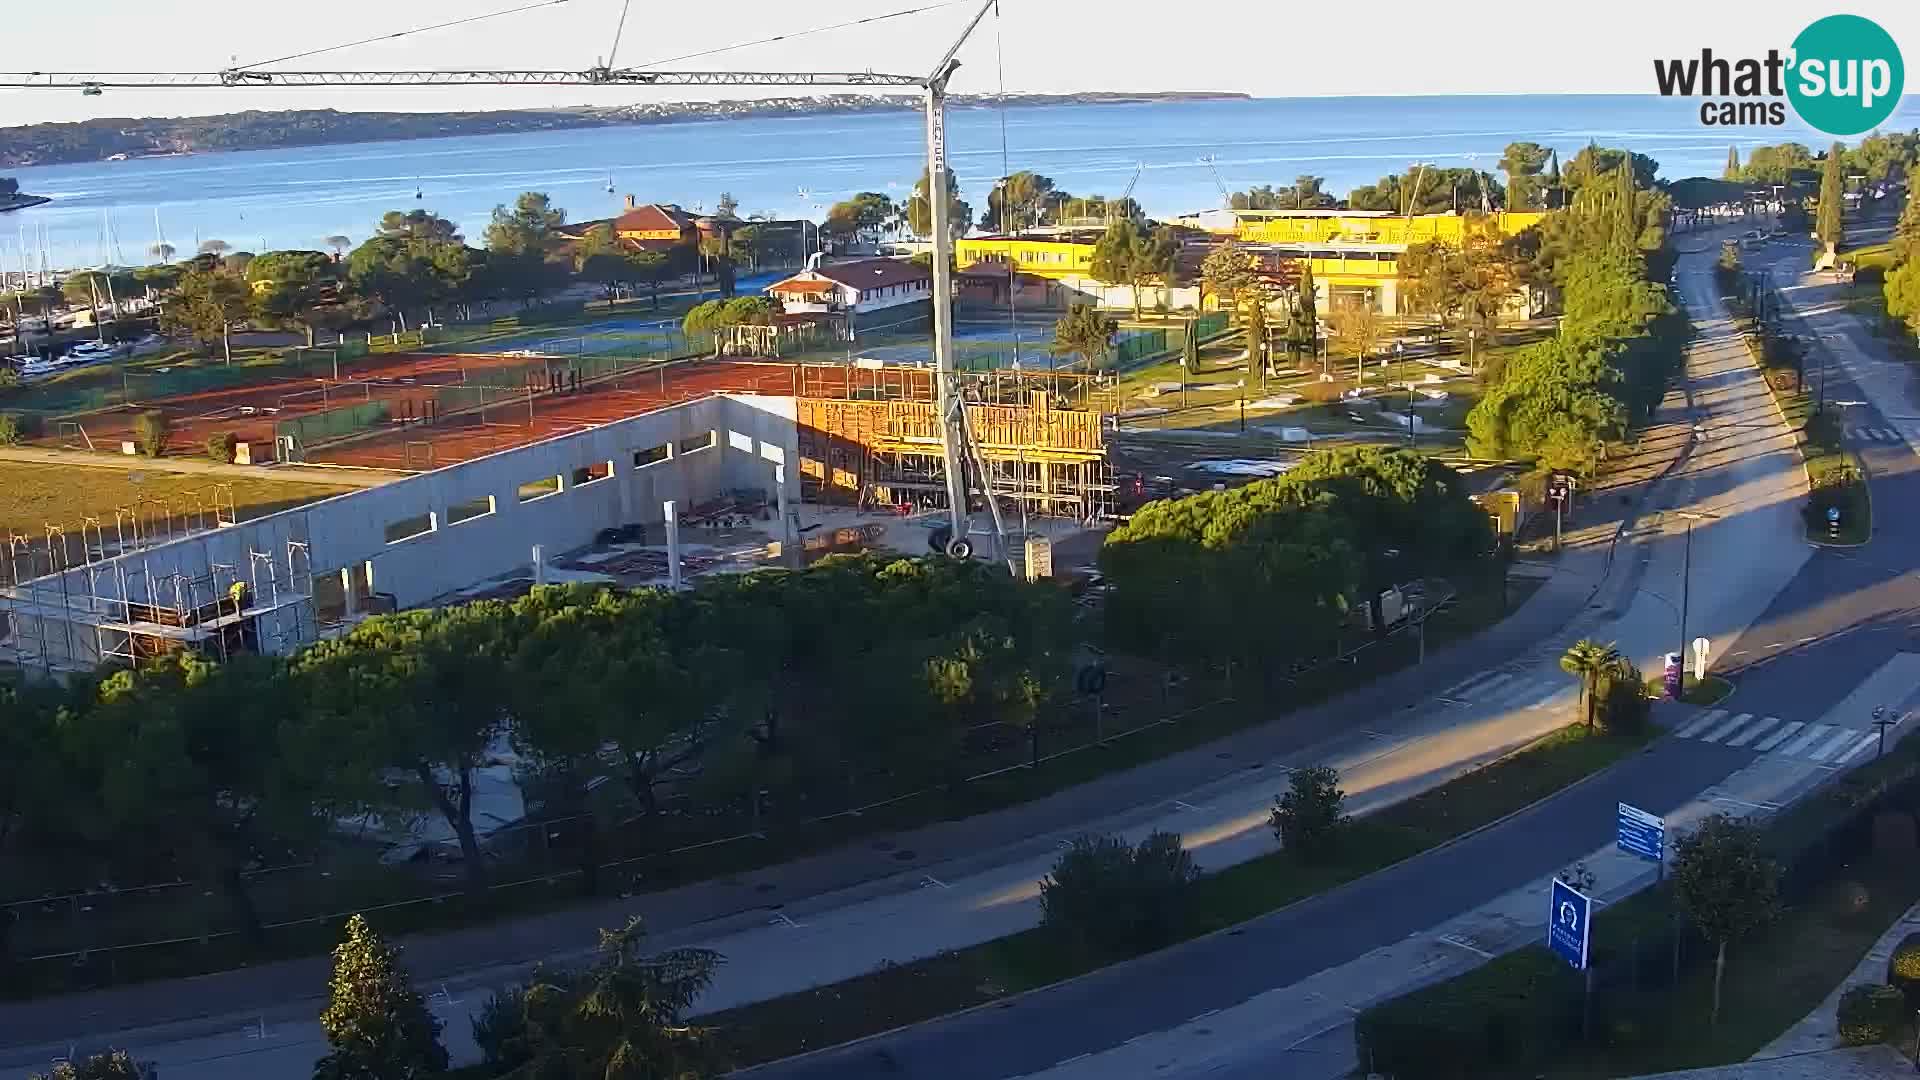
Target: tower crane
959,451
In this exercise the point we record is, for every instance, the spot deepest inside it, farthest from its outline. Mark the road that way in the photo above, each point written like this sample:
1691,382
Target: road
1174,1004
967,881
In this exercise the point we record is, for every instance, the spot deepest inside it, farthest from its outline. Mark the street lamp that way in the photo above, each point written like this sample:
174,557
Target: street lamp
1686,582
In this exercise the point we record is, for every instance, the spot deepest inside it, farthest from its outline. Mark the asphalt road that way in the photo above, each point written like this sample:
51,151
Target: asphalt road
1839,618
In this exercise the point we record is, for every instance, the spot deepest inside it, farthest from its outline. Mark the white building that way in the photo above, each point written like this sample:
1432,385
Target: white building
868,292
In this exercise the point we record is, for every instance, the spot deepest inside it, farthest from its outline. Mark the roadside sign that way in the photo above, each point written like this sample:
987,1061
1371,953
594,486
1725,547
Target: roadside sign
1701,647
1569,924
1637,832
1673,674
1833,514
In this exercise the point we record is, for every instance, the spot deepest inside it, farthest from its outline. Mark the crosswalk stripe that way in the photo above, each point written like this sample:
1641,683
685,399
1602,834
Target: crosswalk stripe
1725,729
1753,729
1866,740
1833,745
1806,740
1478,683
1555,697
1515,694
1780,736
1711,716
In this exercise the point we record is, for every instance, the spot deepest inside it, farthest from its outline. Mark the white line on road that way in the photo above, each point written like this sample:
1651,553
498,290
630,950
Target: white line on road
1780,736
1833,745
1865,741
1806,740
1725,729
1759,726
1698,722
1461,944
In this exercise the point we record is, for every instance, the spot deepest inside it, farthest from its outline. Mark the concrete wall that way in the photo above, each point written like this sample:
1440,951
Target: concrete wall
750,436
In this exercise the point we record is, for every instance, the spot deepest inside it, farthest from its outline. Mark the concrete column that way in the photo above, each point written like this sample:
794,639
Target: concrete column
673,545
539,564
346,590
789,543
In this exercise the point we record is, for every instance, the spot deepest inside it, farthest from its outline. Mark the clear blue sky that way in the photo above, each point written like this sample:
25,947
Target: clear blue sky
1262,47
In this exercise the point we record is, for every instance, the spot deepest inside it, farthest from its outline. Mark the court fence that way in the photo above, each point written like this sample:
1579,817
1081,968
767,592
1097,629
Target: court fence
332,424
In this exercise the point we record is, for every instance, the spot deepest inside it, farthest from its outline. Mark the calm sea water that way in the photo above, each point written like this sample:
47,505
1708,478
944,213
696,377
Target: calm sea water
795,166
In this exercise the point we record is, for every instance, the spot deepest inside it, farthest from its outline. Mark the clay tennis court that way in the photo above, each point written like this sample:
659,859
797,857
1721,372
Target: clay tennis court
405,382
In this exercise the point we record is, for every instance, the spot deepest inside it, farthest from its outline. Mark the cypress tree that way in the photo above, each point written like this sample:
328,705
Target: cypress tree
1827,226
1733,164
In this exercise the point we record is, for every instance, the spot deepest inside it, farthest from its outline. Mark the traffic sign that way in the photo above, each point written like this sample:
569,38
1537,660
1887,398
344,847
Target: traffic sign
1833,514
1569,924
1637,832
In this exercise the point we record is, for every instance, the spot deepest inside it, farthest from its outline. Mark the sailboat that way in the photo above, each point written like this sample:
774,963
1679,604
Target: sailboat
609,183
418,191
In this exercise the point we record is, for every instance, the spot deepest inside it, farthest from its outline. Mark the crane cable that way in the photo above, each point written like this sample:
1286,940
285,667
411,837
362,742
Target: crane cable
618,29
401,34
804,33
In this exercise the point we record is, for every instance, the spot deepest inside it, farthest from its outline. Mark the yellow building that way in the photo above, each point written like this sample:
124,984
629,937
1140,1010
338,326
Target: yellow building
1354,254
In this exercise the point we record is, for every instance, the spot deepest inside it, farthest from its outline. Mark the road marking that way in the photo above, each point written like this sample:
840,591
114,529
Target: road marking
1459,943
1725,729
1759,726
780,919
1071,1060
1700,721
1804,640
1780,736
1178,805
931,882
1833,745
1806,740
1866,740
1478,683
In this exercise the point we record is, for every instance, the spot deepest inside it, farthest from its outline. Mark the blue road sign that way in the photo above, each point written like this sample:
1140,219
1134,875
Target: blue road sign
1569,924
1833,513
1639,833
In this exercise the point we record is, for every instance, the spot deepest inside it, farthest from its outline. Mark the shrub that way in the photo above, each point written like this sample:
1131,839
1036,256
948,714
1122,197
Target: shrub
220,446
1308,818
1783,380
10,433
1835,489
1508,1017
1624,708
1903,969
1823,428
1118,899
111,1065
150,433
1869,1013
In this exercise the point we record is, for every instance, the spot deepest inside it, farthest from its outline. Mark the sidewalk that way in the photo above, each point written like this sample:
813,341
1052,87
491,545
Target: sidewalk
898,864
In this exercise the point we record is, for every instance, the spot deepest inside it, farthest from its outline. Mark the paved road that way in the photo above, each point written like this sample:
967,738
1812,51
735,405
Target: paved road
1742,471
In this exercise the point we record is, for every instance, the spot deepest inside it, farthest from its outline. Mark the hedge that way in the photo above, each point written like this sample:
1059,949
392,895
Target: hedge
1869,1013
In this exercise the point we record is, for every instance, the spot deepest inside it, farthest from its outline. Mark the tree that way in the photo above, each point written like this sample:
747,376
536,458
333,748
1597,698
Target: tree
522,242
1595,162
414,260
1827,223
1359,328
291,288
339,245
425,693
1125,255
1427,191
1116,898
205,306
864,214
109,1065
150,432
162,252
1784,164
1902,290
1308,818
1084,331
727,206
378,1026
650,267
1726,885
1228,270
1732,171
624,1018
1587,660
1905,243
215,248
1021,199
1523,163
920,211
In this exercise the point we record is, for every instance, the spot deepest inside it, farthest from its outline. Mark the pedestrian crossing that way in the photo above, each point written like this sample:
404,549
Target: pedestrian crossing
1521,689
1883,434
1824,744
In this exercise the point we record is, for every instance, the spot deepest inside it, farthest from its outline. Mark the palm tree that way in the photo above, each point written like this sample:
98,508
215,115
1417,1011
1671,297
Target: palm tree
1587,660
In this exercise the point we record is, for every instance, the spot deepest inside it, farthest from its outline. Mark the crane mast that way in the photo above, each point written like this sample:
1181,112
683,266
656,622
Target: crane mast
957,447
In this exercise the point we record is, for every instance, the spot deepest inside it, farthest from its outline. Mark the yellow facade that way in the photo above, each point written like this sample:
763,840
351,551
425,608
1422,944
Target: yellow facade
1056,259
1283,227
669,235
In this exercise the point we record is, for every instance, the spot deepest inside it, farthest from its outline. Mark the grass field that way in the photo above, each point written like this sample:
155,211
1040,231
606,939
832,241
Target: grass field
39,495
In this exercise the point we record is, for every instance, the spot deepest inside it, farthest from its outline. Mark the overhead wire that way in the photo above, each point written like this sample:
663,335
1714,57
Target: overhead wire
618,29
402,33
804,33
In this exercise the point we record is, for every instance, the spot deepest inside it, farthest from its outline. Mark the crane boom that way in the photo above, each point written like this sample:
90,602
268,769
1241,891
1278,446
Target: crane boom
597,76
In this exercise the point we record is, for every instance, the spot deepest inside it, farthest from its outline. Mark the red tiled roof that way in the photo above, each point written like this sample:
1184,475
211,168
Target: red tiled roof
654,217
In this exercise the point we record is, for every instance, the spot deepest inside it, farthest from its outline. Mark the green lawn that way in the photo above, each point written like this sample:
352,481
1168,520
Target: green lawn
38,495
910,993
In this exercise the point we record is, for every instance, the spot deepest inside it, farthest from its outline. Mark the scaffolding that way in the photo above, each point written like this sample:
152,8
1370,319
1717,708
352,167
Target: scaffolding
59,615
871,438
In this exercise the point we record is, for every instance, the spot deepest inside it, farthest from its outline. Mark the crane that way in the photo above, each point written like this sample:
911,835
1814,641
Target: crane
959,450
1226,197
1138,168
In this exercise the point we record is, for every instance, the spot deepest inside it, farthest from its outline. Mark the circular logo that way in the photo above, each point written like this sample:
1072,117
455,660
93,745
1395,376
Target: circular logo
1846,76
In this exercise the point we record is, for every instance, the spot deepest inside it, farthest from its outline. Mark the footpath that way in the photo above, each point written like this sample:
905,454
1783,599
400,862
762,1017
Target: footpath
887,870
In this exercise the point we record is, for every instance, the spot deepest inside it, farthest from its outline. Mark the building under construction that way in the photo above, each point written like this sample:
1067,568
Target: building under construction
869,437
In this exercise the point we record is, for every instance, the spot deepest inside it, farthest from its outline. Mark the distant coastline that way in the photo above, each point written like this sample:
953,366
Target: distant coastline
21,202
122,139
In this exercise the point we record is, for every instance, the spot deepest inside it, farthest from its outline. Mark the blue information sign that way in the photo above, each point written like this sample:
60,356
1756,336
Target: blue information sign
1569,924
1640,833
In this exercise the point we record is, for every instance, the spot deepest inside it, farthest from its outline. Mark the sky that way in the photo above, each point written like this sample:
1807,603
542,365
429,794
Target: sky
1259,47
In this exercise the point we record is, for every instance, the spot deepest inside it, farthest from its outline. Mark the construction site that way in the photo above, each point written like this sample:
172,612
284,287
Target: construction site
642,475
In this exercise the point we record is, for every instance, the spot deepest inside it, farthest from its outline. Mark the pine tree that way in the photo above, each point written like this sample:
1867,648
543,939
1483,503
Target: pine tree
377,1024
1827,226
1553,174
112,1065
1733,164
1906,231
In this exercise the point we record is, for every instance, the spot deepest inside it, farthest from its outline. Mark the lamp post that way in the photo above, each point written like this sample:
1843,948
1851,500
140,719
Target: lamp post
1686,583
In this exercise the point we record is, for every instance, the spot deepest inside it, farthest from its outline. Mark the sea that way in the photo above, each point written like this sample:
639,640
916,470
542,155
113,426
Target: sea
1185,155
